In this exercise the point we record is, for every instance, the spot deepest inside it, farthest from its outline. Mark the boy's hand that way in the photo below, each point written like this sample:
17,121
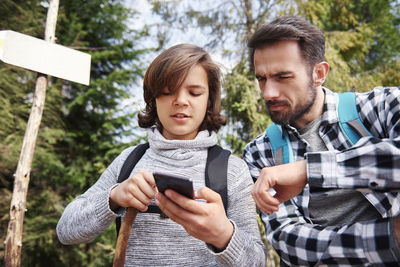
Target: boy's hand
137,191
204,221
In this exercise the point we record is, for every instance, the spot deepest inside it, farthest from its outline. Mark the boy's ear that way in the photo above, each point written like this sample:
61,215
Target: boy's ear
320,72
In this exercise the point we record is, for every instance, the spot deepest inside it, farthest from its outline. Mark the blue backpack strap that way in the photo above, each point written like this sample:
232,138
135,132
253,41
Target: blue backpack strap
280,144
216,174
349,120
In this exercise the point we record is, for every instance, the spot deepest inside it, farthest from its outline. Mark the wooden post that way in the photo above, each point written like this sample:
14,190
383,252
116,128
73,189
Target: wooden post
21,178
123,237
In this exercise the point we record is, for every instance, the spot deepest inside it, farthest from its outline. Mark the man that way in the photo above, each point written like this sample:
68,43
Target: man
315,215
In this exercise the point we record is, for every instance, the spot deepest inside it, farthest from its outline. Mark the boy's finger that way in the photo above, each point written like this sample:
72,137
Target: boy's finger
209,195
148,176
171,209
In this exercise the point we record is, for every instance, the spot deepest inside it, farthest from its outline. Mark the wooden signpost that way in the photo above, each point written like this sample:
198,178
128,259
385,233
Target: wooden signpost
46,58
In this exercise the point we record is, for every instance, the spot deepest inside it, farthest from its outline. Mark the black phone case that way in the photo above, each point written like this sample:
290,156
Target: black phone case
181,185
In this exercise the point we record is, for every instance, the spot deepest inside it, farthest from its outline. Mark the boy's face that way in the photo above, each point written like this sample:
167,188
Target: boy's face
182,112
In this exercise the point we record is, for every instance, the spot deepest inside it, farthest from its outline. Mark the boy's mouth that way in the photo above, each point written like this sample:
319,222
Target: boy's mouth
180,116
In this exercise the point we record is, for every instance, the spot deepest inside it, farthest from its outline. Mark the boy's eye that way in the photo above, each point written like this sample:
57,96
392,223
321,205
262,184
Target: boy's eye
165,92
195,93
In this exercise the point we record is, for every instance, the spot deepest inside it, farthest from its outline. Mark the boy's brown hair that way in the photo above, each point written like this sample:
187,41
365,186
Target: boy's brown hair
169,69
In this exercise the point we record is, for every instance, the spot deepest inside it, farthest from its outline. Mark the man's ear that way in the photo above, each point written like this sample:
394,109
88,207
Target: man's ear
320,72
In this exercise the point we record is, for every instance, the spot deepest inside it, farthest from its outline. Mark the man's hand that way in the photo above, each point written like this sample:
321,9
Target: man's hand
204,221
137,191
288,180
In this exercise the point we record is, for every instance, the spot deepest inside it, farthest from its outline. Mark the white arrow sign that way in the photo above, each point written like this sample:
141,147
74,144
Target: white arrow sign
38,55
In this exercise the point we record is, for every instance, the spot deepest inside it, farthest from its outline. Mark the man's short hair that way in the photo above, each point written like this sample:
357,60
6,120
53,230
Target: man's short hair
311,40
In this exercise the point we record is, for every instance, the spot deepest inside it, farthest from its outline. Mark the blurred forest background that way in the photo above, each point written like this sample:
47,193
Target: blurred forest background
84,127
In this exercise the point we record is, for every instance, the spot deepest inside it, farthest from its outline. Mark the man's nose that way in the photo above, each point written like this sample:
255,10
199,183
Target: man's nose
269,90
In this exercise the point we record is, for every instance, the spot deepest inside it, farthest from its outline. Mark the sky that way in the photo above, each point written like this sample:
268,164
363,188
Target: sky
192,36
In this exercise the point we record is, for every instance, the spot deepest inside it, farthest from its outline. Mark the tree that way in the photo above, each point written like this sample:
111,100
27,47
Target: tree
16,88
363,41
83,128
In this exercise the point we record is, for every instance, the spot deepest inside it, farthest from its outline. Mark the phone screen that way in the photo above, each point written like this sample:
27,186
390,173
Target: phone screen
183,186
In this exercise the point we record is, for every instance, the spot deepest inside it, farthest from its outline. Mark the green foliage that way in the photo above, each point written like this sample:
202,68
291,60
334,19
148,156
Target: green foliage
16,85
363,41
42,248
83,128
243,100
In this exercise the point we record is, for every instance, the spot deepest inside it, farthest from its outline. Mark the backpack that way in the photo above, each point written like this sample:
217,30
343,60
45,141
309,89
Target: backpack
349,123
215,174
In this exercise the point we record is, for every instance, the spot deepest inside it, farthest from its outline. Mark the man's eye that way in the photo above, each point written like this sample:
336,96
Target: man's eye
284,77
259,78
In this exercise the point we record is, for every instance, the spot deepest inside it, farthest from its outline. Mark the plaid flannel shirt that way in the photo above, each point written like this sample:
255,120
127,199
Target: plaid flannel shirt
372,166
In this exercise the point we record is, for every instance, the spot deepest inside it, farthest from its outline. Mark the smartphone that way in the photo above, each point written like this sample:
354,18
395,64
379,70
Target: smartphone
181,185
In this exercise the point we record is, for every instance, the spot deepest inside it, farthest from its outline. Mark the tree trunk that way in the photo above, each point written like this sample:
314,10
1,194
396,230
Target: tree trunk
249,29
21,178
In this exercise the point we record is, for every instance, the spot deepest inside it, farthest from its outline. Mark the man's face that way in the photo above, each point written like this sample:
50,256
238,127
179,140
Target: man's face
285,81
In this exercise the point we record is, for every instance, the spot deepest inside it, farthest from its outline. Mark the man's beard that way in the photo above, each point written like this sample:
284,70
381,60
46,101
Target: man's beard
283,118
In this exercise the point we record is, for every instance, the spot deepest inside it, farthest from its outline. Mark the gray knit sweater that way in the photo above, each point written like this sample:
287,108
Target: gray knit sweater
156,241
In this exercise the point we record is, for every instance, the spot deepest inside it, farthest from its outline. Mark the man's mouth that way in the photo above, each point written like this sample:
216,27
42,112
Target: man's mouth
276,105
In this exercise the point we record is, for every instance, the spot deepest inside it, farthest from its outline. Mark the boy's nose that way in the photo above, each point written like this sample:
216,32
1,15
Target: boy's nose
181,98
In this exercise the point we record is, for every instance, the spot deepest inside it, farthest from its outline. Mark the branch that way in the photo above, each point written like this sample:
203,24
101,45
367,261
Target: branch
87,48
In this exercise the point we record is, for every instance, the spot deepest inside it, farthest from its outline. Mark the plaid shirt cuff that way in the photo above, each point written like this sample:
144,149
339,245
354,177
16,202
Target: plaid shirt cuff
322,169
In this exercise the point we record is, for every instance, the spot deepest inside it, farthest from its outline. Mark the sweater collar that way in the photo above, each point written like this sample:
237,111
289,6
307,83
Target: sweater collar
180,148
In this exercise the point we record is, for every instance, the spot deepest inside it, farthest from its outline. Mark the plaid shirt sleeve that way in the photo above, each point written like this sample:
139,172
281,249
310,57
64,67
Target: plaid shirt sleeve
300,242
373,163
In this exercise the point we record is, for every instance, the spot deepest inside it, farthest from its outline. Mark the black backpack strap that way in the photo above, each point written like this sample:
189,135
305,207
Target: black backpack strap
217,172
130,162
